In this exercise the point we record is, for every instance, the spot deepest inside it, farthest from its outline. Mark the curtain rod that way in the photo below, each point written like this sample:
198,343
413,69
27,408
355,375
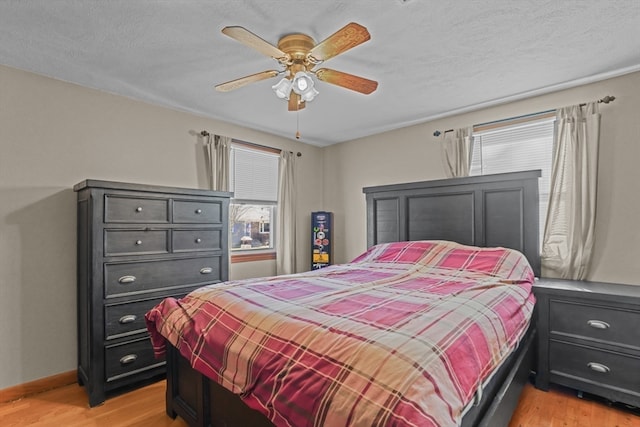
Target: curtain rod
298,154
607,99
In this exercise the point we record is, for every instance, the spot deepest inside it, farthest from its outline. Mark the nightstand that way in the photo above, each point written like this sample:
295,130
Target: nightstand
589,338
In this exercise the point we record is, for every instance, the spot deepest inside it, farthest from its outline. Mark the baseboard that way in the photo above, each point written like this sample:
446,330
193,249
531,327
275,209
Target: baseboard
37,386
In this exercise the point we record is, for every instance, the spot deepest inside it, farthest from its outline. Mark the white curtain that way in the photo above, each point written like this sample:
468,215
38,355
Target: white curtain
286,241
569,232
217,156
456,152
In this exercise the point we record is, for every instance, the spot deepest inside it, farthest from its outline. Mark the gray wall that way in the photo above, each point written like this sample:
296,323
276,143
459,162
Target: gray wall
413,154
52,136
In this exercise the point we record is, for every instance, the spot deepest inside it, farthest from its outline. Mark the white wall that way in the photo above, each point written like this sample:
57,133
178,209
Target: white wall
413,154
52,136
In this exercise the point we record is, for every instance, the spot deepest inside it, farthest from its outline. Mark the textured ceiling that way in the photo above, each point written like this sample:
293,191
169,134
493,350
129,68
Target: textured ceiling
431,58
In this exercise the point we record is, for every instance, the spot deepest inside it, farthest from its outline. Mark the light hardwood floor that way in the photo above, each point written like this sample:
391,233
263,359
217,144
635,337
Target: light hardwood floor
560,407
67,406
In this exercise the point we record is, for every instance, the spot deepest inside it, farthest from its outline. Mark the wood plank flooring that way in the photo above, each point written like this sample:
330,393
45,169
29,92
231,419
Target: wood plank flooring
560,407
67,406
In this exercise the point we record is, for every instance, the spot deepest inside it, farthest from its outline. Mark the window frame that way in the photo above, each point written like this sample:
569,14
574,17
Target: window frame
254,254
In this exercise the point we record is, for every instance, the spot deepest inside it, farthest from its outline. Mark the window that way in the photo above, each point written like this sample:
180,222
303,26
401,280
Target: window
254,182
517,147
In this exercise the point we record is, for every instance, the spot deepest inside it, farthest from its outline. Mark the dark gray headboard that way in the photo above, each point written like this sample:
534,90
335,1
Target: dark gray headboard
487,211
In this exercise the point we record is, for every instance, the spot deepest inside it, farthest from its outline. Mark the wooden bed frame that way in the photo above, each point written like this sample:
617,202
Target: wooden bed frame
489,210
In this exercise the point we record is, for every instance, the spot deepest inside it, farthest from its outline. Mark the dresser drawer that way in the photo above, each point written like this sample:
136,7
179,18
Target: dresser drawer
134,210
609,324
127,242
197,212
147,276
128,318
196,240
129,358
596,366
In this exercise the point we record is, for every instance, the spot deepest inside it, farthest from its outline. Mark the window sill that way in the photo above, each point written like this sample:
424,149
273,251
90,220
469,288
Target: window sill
249,257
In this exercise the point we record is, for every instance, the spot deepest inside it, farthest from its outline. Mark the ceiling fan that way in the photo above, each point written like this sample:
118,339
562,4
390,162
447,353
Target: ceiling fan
299,55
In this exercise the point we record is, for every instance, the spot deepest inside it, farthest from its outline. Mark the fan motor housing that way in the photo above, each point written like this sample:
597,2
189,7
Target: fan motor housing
296,45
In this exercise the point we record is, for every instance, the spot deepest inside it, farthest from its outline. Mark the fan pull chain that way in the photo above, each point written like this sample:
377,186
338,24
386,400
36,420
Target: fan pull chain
298,124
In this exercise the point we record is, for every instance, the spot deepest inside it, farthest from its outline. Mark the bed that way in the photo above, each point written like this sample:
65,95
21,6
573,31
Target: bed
365,343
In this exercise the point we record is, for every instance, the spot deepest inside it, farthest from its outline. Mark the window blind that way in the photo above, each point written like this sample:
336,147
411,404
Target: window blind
253,175
519,147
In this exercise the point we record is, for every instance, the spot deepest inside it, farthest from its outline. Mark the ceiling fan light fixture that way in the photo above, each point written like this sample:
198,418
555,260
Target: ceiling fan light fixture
298,54
309,95
282,88
303,85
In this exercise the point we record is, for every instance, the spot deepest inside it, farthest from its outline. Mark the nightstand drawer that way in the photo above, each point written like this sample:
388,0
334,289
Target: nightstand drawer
599,367
196,240
148,276
128,242
129,358
608,324
134,209
196,212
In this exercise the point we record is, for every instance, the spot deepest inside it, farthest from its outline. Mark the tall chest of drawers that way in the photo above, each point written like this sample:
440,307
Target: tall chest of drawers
589,338
138,244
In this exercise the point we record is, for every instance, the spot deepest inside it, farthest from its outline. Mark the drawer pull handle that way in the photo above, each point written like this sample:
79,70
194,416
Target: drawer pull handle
198,240
206,270
138,242
129,318
598,324
128,359
598,367
127,279
139,209
198,211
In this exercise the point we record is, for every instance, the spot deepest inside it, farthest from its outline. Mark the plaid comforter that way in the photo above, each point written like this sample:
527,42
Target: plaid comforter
402,336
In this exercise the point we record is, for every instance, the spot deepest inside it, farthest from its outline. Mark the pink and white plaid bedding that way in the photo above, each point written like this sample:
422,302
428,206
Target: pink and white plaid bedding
402,336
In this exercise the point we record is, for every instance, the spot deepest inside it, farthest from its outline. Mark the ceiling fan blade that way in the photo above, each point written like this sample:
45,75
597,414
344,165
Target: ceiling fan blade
295,103
348,81
243,81
351,35
247,38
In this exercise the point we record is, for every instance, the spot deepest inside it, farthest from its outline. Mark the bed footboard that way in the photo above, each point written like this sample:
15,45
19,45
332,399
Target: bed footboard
202,402
187,391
